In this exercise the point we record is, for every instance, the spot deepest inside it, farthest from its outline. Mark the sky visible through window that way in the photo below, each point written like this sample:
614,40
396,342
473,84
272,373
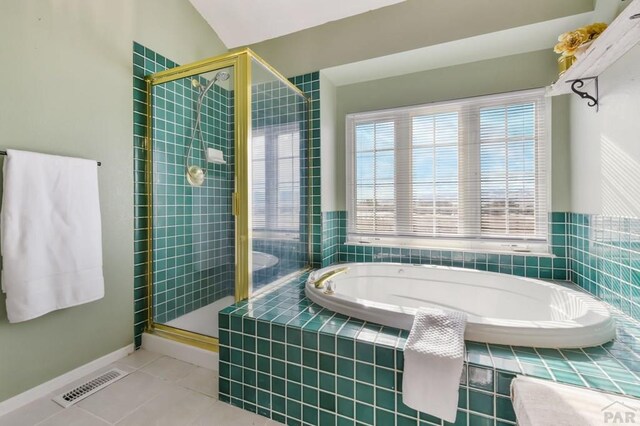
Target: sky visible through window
428,168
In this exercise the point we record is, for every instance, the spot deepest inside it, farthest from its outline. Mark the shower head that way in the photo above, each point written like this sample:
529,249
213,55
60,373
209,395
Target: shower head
222,76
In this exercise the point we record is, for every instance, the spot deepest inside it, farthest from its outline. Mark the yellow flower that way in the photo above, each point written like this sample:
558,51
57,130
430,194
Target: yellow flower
570,41
594,30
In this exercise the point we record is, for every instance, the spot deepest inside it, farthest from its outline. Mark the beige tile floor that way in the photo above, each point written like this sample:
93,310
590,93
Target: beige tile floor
158,391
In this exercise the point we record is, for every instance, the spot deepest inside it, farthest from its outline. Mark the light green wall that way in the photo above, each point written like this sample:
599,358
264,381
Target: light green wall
605,145
517,72
404,26
329,153
561,155
67,89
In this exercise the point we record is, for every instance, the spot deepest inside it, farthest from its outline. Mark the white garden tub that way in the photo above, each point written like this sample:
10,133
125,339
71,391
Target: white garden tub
262,261
502,309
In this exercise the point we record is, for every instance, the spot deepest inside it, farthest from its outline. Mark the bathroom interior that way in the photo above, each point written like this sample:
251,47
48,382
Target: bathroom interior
386,212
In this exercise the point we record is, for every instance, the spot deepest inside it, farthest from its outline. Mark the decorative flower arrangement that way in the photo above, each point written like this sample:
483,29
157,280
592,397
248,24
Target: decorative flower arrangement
573,43
570,42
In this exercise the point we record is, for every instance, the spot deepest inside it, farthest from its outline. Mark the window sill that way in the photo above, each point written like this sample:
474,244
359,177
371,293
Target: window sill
536,253
276,235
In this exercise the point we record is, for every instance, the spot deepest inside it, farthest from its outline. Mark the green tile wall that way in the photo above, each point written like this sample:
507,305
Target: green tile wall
605,259
292,256
334,225
284,357
145,61
193,227
310,85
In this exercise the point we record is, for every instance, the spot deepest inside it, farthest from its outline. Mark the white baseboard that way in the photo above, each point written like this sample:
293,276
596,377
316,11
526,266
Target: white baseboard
181,351
46,388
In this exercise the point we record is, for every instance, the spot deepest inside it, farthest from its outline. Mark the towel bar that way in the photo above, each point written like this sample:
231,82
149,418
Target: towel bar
5,153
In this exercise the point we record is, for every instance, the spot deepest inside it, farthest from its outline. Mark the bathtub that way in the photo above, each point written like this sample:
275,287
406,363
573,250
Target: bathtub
262,261
502,309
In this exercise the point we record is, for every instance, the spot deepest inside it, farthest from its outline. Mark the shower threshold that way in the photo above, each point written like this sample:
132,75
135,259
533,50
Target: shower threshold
203,320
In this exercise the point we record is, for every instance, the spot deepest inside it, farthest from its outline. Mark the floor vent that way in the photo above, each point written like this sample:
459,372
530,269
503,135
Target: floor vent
89,387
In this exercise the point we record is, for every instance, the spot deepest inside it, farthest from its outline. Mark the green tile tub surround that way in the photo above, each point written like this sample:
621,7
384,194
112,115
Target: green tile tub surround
599,253
544,267
286,358
194,229
604,255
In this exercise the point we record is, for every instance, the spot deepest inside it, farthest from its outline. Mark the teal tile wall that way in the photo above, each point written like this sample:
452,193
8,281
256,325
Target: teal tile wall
193,227
545,267
146,61
292,256
604,256
310,85
284,357
334,225
143,60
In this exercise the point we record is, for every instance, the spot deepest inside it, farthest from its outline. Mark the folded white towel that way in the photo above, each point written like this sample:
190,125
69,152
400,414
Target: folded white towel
433,358
541,402
51,236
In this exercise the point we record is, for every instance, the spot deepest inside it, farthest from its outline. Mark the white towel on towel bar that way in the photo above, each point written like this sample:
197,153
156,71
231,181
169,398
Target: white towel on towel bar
51,237
433,358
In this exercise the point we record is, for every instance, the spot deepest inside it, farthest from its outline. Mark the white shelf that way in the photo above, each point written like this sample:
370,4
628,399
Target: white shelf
615,41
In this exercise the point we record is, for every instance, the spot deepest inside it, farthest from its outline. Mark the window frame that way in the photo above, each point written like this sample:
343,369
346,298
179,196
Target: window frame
469,164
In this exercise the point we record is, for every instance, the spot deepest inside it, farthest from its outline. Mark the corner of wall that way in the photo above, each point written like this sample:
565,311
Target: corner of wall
330,168
561,154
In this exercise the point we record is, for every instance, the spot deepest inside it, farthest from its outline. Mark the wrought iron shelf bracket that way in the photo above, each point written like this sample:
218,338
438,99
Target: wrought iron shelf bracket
578,83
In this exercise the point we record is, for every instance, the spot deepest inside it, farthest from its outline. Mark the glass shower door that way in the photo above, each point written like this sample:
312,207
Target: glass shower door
193,183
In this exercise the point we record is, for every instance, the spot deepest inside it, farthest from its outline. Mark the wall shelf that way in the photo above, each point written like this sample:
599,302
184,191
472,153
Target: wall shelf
582,77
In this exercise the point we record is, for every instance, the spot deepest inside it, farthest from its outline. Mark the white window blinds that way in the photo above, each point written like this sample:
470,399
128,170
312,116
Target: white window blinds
275,152
458,172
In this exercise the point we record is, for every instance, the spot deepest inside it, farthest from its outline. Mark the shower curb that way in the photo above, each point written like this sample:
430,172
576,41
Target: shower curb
180,351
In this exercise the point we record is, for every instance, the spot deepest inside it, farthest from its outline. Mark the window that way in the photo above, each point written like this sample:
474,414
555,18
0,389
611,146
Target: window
276,178
470,173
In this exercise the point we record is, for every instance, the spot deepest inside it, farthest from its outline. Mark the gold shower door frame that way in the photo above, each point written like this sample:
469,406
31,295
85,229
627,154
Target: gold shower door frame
241,199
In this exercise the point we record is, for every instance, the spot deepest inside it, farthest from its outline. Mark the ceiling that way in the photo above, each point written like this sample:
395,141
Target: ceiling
396,37
244,22
528,38
512,41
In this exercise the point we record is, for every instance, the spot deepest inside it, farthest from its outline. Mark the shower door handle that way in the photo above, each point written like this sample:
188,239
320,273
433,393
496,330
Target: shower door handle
234,204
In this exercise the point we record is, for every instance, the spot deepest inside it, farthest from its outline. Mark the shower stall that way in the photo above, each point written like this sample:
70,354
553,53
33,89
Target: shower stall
227,187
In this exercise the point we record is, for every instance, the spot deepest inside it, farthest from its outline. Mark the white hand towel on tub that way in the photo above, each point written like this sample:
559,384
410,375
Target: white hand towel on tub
51,237
433,358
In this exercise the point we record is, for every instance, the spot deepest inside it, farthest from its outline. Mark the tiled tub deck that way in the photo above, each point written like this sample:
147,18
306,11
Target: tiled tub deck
291,360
